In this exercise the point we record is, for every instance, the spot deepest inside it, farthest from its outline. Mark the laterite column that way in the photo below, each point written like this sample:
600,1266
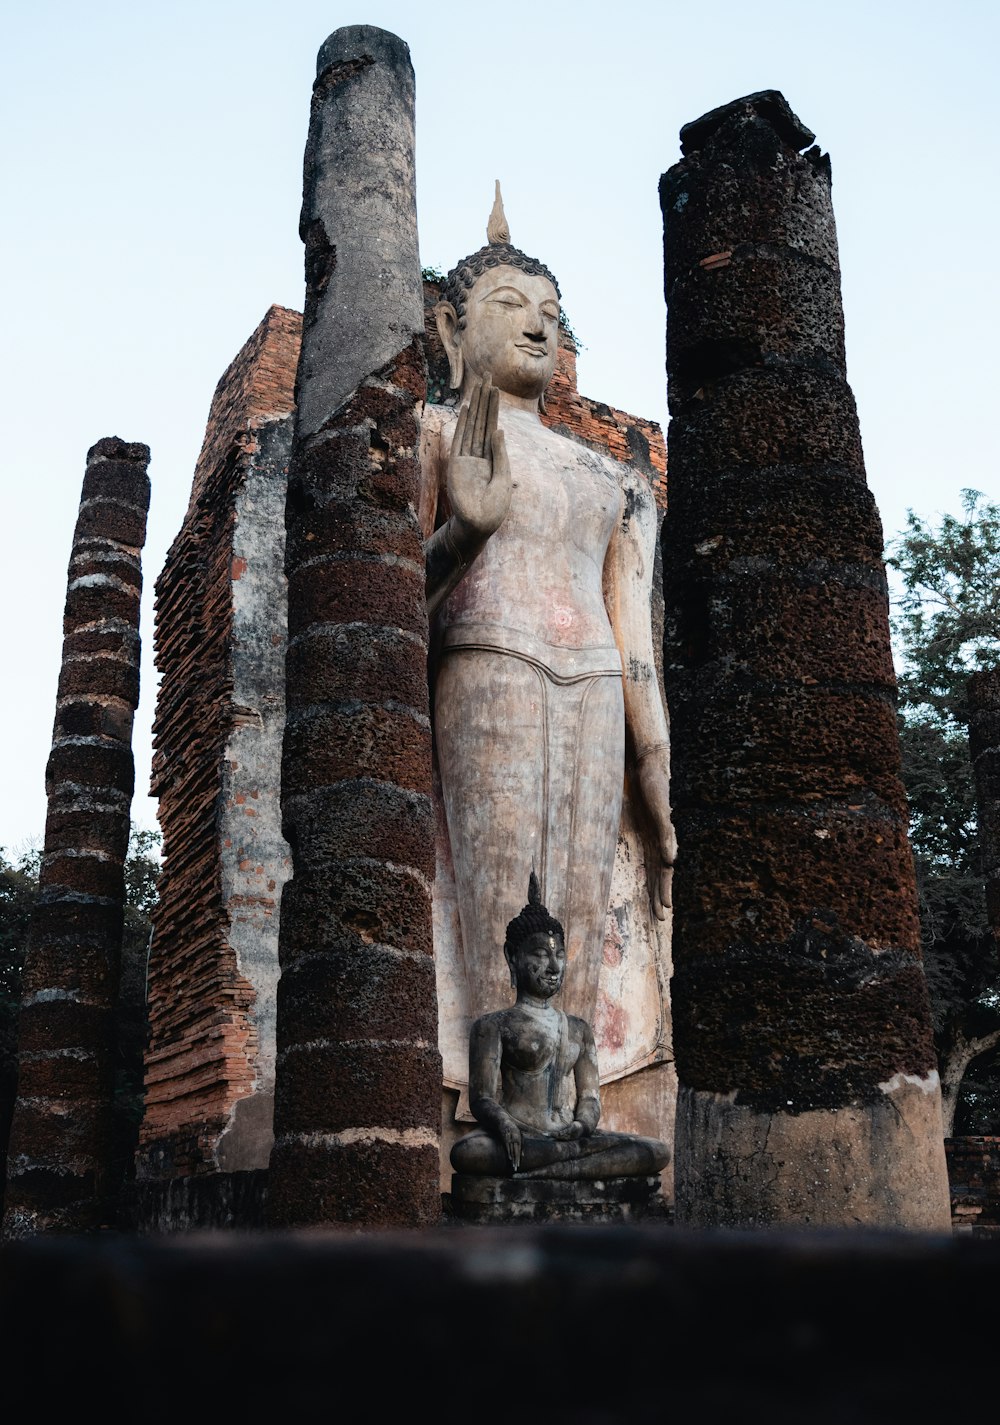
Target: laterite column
358,1079
62,1174
808,1084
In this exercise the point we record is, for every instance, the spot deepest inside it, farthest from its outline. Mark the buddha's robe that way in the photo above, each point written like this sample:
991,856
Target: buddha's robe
529,733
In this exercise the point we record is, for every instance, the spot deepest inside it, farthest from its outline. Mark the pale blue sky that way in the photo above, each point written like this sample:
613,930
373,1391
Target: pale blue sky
151,158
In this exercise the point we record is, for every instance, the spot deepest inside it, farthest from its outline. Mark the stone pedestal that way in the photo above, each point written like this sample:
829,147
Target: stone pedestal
489,1201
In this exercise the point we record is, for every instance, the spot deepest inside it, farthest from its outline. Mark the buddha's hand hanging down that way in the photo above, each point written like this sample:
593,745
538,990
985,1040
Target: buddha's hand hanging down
654,787
478,485
510,1136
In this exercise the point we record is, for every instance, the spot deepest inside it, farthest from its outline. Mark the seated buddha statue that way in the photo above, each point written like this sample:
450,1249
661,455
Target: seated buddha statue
533,1077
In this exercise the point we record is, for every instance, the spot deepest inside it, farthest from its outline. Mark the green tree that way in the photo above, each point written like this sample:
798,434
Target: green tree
18,891
947,626
142,872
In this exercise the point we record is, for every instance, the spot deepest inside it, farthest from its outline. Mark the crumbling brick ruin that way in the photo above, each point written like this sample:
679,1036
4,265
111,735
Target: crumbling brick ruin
220,647
65,1166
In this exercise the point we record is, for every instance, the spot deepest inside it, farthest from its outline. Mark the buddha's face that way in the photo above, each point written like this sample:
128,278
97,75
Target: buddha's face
539,964
511,331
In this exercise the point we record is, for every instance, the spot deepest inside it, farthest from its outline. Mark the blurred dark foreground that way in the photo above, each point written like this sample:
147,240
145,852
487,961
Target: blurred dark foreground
537,1324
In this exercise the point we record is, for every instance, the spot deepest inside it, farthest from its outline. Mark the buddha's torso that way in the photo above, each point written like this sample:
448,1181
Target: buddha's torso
539,1056
541,572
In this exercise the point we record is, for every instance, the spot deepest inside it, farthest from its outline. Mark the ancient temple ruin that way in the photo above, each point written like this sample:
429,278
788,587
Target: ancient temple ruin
317,960
759,405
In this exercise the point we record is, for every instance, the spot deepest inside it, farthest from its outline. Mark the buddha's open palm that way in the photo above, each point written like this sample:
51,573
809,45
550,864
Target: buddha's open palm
478,469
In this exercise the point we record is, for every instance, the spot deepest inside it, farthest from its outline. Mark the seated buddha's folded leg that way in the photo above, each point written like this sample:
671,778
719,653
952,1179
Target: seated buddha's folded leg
604,1155
601,1155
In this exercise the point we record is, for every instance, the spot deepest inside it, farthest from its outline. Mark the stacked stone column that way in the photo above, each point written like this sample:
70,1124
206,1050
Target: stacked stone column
358,1076
809,1091
984,748
62,1173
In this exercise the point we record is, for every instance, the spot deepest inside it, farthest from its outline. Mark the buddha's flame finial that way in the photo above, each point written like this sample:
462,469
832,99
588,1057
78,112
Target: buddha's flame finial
497,230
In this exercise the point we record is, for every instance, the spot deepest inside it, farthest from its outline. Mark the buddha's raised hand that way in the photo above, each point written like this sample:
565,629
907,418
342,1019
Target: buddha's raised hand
478,470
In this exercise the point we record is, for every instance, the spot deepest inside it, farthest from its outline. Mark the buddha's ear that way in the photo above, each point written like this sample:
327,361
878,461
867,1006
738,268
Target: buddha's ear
448,330
510,966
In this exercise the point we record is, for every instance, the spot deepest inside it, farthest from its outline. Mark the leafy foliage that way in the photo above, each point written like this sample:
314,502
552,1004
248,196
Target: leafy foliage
980,1091
947,626
949,620
18,891
565,325
142,873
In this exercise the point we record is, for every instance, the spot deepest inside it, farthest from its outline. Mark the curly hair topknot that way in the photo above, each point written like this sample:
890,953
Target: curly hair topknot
461,278
534,919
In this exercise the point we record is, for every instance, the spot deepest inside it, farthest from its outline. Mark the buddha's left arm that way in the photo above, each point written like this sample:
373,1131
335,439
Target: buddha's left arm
588,1083
628,586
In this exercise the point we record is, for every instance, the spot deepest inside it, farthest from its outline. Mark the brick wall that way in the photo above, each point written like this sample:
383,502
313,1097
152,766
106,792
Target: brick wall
223,857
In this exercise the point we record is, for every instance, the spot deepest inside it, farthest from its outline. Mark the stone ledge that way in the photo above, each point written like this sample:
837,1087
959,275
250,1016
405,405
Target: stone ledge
565,1325
487,1201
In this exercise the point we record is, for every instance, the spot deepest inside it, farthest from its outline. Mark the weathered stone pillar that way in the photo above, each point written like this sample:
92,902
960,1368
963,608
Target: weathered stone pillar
809,1092
984,748
358,1079
61,1173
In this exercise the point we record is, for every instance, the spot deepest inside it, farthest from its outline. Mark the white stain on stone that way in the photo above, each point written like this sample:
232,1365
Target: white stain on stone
930,1084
